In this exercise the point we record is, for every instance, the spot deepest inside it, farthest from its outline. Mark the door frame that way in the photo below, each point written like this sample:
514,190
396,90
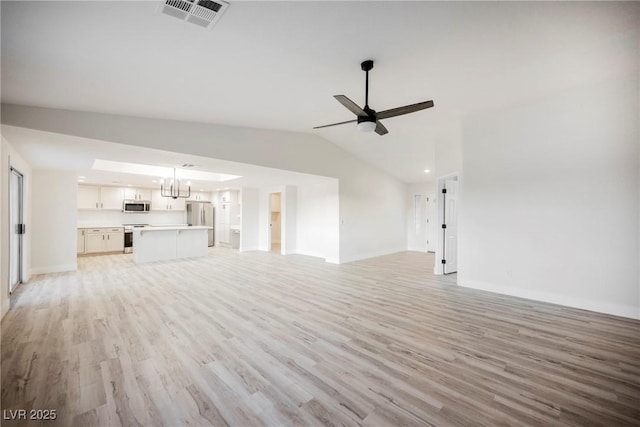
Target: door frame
11,230
431,219
437,267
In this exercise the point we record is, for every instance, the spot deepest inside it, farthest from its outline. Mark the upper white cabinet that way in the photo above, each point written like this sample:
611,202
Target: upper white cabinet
137,193
111,197
159,203
199,197
94,197
224,197
88,197
179,204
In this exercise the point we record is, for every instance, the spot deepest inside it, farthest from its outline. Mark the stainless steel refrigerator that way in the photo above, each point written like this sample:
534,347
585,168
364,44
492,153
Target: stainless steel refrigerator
202,214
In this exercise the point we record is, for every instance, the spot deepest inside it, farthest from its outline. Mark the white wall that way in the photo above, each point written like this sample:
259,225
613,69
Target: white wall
249,219
372,218
290,222
309,218
317,220
54,231
10,157
421,238
372,215
551,199
448,148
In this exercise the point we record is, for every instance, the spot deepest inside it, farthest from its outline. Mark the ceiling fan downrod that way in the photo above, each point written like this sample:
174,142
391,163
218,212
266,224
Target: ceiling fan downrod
366,67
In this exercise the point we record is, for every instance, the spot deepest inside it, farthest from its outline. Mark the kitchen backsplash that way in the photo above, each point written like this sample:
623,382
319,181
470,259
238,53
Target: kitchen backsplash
96,218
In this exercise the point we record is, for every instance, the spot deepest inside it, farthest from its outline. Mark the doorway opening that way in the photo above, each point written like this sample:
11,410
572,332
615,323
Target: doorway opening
275,222
447,250
16,228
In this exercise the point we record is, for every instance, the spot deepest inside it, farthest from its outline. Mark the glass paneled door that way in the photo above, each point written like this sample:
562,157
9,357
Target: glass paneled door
16,228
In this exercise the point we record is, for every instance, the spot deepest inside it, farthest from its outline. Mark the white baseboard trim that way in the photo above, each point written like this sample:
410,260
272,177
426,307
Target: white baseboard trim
597,306
310,253
54,269
417,249
249,249
344,260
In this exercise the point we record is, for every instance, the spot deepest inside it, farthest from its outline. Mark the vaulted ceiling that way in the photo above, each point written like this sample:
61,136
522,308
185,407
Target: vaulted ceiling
276,65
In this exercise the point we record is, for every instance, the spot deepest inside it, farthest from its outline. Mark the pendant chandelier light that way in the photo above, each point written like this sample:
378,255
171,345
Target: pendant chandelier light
171,188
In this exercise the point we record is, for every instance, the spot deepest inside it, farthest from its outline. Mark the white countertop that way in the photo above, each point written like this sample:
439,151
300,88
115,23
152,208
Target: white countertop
100,226
170,228
90,225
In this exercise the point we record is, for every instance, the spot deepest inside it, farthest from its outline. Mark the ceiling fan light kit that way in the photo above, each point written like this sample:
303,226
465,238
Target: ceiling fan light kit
368,119
366,126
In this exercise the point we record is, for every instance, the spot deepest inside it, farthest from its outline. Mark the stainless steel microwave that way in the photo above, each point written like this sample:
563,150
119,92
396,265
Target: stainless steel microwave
136,206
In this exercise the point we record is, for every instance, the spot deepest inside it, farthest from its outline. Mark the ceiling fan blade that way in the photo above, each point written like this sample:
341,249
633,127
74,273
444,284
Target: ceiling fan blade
380,129
336,124
350,105
404,110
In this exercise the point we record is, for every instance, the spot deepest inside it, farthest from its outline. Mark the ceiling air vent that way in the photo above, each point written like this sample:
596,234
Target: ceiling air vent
204,13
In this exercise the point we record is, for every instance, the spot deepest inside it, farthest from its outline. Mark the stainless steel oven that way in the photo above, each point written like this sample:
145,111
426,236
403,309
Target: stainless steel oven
128,236
128,241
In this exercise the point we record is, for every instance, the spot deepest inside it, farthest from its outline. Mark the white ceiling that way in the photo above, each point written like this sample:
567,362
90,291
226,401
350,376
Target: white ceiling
277,64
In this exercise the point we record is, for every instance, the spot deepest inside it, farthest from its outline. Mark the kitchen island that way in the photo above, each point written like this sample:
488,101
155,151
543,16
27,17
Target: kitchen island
169,242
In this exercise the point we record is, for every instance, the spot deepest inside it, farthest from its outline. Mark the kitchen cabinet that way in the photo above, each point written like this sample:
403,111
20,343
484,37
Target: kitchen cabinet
88,197
81,248
94,243
115,241
101,240
224,226
199,197
227,216
178,204
234,238
111,198
95,197
159,203
137,193
225,197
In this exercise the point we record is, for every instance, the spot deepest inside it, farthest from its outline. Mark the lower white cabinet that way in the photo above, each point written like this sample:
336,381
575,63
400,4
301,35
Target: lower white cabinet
81,241
115,242
101,240
95,243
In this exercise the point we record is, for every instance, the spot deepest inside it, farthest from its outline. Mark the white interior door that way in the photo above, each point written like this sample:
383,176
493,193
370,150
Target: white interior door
16,229
451,231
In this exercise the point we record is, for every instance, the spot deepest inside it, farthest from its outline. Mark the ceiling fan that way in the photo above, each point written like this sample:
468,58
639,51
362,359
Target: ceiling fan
368,119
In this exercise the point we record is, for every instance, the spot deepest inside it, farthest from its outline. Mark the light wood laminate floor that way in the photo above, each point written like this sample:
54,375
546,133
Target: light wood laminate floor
263,339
